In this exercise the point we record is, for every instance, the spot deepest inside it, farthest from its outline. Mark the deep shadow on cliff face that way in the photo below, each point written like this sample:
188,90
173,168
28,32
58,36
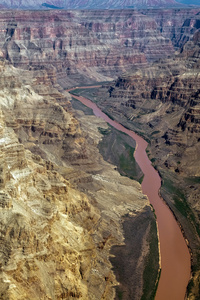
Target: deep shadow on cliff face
127,258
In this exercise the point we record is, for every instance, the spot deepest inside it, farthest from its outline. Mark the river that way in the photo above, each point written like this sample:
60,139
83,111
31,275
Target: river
175,257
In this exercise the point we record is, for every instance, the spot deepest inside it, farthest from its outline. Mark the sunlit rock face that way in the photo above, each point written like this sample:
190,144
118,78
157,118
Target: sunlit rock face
61,205
55,239
88,46
178,25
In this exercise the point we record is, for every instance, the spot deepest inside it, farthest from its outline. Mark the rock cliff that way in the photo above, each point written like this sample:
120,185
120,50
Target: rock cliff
161,102
168,85
61,204
88,46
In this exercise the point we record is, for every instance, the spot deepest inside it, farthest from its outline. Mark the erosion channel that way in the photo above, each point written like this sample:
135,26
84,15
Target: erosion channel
175,257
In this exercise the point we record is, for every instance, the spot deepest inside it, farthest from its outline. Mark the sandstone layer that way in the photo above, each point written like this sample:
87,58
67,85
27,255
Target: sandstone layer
78,47
61,203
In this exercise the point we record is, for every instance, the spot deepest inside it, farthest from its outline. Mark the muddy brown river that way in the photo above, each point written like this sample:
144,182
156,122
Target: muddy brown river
175,257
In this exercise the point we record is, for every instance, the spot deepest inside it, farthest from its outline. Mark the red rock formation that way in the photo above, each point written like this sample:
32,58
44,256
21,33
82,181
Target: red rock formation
90,44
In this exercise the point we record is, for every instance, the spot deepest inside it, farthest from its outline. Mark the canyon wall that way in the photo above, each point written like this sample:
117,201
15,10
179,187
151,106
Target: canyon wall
61,204
170,85
162,102
88,46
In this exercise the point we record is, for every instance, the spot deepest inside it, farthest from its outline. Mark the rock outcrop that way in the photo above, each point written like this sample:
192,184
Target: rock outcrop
60,204
86,46
162,102
167,86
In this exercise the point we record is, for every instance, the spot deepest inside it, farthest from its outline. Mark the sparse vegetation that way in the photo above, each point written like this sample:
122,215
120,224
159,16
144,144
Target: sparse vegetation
141,179
88,93
151,274
80,106
180,201
126,257
104,131
119,293
118,148
155,132
193,180
108,114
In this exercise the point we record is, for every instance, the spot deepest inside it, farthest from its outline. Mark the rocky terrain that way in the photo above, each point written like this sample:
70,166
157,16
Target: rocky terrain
79,47
61,204
161,102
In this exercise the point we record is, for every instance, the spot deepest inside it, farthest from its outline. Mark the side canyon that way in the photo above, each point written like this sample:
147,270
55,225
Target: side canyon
62,206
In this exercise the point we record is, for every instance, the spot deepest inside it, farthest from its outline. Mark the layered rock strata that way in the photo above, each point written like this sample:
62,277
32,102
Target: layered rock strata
60,204
161,102
169,87
86,46
57,193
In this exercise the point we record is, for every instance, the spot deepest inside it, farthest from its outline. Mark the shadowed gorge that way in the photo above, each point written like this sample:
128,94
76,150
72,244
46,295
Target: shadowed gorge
66,213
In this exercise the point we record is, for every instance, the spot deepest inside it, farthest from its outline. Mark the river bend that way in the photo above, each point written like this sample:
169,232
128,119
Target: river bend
175,257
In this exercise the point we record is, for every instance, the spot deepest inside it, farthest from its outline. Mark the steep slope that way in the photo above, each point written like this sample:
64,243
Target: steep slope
87,46
55,238
161,102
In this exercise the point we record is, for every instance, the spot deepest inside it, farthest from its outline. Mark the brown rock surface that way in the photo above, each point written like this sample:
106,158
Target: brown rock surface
60,204
161,102
88,46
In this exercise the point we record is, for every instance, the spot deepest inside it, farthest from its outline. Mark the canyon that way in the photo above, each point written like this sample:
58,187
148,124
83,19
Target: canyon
63,207
61,203
89,46
161,103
